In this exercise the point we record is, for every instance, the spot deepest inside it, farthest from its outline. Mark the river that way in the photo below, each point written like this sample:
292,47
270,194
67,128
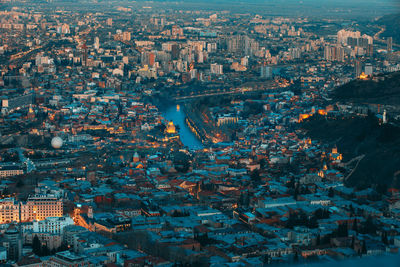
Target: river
175,113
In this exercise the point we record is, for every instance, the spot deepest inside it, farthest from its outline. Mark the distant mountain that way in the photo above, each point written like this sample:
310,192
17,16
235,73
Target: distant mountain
392,25
384,89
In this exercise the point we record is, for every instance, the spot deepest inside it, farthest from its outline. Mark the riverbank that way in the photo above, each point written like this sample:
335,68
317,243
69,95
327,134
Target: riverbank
176,113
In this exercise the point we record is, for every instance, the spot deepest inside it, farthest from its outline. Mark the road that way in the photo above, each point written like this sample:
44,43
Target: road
358,162
377,38
232,92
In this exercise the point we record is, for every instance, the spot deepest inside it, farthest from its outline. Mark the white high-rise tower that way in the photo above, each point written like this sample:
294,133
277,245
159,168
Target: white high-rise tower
384,117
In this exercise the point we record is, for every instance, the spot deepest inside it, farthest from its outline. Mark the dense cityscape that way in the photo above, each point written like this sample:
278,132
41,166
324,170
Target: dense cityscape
140,133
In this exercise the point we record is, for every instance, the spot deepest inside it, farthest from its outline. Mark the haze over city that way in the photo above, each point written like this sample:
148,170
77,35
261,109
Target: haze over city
199,133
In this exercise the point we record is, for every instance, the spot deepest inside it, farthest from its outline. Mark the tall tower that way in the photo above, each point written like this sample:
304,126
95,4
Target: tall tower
358,68
384,117
389,42
96,44
370,50
85,54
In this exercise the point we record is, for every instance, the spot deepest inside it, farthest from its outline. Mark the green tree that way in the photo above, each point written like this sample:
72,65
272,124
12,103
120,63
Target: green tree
355,226
255,176
296,257
20,183
330,192
45,251
369,226
364,248
385,238
36,245
318,240
263,163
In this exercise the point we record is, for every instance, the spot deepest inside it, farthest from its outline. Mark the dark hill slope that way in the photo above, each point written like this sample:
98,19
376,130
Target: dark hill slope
357,136
385,91
363,136
392,26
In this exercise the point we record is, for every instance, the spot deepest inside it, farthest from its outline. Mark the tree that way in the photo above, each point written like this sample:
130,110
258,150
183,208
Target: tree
263,163
296,192
36,245
45,251
63,247
241,198
255,176
181,162
266,259
318,240
247,199
321,214
369,226
355,226
364,248
6,191
351,208
20,183
292,182
330,192
385,238
381,189
341,231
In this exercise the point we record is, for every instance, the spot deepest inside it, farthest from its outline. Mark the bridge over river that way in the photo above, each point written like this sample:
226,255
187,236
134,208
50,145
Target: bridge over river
236,91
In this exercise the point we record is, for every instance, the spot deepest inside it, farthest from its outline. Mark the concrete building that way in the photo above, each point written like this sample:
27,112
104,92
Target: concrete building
9,210
53,225
13,243
13,170
67,259
216,69
266,72
38,207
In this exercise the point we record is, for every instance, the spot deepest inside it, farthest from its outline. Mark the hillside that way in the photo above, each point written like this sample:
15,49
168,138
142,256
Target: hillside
357,136
392,26
384,91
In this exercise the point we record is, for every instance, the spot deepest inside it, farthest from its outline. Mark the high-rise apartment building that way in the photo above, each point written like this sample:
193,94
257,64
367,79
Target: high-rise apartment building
389,42
295,53
334,53
343,35
175,51
368,69
266,72
358,68
109,22
216,69
370,50
96,44
13,243
126,36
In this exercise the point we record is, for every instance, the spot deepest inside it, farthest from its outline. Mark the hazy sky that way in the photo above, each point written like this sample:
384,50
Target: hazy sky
318,8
